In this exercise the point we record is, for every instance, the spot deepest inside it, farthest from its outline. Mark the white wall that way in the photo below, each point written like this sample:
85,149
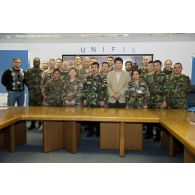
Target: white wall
176,51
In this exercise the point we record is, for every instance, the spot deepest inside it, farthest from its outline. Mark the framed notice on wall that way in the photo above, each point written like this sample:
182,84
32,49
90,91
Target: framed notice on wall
135,58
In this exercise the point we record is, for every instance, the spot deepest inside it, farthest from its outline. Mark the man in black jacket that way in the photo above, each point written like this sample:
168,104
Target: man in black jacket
13,80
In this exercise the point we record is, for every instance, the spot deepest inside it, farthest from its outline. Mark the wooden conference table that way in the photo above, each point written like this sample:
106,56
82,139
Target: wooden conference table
119,128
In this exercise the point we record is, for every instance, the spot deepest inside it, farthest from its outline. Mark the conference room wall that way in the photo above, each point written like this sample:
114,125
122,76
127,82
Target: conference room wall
176,51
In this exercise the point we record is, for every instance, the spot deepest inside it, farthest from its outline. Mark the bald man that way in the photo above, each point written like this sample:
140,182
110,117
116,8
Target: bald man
78,63
86,69
33,82
144,70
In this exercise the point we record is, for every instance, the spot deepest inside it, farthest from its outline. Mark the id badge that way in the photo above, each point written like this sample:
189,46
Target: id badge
139,91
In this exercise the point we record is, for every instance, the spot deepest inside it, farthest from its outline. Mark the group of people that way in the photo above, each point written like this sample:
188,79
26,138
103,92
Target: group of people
86,84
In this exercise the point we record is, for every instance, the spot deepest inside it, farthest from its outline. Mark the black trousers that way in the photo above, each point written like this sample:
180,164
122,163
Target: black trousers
117,104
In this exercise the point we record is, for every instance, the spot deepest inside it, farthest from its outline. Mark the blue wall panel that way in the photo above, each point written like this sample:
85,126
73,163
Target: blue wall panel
193,71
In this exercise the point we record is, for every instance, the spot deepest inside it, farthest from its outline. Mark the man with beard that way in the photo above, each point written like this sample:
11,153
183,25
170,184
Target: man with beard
128,67
94,95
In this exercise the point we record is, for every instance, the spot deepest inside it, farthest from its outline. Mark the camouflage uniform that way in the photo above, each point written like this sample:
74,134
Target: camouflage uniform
104,76
142,72
78,68
147,78
168,72
33,81
111,68
46,76
53,91
156,85
177,89
64,76
137,95
94,90
72,92
83,74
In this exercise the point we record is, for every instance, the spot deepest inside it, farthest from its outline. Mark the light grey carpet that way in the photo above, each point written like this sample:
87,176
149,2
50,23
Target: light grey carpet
88,152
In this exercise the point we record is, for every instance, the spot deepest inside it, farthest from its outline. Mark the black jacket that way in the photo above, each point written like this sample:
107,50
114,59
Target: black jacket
8,80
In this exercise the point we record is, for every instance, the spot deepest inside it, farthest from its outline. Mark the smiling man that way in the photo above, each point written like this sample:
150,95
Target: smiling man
177,86
13,80
94,95
117,81
94,88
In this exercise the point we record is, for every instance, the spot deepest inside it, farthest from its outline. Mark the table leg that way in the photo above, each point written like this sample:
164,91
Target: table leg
9,137
122,139
52,135
175,147
20,132
70,136
189,157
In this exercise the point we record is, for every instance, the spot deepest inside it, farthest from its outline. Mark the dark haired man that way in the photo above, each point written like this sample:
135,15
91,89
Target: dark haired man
94,94
94,88
53,89
178,85
157,92
117,81
110,61
13,80
128,67
58,63
105,69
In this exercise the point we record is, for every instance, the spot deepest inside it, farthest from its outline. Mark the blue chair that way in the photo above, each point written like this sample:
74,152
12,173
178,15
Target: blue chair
191,97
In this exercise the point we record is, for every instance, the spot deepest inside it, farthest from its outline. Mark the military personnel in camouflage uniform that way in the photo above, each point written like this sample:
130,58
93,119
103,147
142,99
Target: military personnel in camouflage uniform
144,69
33,81
147,77
53,90
64,70
177,87
156,85
94,88
94,95
45,65
85,70
93,60
58,63
77,63
47,75
168,70
110,61
72,92
104,73
104,70
128,67
137,93
157,93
